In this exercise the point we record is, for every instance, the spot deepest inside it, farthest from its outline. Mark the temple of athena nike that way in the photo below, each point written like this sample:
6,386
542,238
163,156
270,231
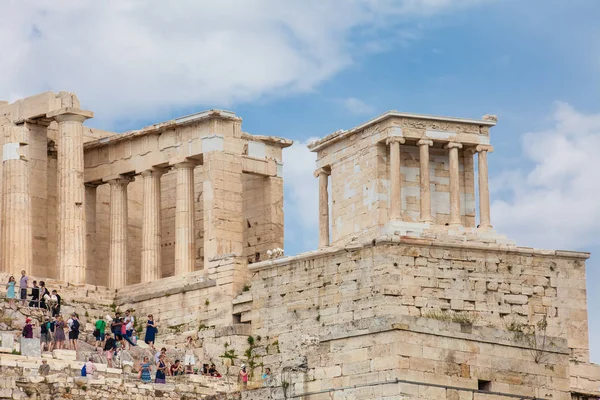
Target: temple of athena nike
411,293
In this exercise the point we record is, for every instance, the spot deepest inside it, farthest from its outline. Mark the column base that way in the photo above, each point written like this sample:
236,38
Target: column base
403,228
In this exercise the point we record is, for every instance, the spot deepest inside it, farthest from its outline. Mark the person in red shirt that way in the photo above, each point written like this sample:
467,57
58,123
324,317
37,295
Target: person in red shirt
28,329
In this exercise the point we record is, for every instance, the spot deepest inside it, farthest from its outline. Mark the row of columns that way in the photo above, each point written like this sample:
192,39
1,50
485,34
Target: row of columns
425,191
73,197
16,243
185,244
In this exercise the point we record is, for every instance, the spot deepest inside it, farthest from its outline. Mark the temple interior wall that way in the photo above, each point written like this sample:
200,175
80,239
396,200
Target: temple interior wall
360,184
38,169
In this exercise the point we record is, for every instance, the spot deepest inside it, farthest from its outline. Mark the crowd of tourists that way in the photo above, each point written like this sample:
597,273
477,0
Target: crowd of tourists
38,297
112,336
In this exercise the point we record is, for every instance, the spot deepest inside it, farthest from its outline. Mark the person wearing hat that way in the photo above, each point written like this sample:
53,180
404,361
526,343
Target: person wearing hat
28,329
244,376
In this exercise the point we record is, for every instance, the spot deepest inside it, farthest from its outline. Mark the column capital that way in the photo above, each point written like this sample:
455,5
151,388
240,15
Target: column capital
154,171
483,148
120,180
322,170
184,165
395,139
67,114
425,142
453,145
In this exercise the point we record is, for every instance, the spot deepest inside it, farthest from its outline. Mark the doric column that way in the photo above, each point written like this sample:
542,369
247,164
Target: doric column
484,192
17,249
323,175
185,242
117,254
454,183
151,236
71,243
90,218
395,177
424,173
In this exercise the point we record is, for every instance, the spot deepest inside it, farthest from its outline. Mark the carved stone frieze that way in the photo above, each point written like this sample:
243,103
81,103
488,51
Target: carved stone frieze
416,123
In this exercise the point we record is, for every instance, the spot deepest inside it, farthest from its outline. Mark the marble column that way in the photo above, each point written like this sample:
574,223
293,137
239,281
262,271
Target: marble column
118,221
90,205
17,248
395,177
185,242
484,191
454,183
323,175
151,233
71,226
424,145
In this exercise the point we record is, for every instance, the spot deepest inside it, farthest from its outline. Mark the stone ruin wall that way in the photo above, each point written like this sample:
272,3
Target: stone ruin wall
338,308
260,202
262,223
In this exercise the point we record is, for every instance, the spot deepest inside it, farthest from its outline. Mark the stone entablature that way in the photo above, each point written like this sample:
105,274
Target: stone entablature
185,138
403,172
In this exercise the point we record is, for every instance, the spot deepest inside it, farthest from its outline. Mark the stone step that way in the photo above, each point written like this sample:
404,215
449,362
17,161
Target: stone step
60,354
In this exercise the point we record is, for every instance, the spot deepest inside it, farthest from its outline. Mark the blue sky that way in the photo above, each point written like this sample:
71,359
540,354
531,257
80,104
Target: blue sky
305,69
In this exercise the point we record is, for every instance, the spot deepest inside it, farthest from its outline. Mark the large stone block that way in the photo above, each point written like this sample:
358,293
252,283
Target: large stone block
30,347
7,342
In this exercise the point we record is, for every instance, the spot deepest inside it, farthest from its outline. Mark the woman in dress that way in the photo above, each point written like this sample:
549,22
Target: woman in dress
10,289
59,332
150,332
145,371
161,369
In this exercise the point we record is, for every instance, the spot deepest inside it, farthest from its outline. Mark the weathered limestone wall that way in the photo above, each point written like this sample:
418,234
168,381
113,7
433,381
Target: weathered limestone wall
20,381
323,295
416,276
263,217
420,358
179,303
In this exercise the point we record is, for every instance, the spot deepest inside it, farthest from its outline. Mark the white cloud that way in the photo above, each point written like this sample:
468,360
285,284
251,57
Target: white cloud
131,58
301,197
357,106
554,204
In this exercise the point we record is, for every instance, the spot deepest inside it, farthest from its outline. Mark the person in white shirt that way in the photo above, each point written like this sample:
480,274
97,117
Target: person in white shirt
129,321
90,368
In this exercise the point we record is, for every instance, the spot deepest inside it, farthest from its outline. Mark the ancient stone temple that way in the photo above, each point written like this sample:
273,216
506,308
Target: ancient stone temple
410,294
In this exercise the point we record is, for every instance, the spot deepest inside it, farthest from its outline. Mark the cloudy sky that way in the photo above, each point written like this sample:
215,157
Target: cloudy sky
303,69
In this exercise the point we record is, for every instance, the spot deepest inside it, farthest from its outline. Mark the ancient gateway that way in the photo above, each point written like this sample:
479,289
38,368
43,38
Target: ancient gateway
411,293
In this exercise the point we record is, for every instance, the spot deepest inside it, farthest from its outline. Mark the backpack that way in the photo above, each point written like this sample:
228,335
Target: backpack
83,371
75,325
